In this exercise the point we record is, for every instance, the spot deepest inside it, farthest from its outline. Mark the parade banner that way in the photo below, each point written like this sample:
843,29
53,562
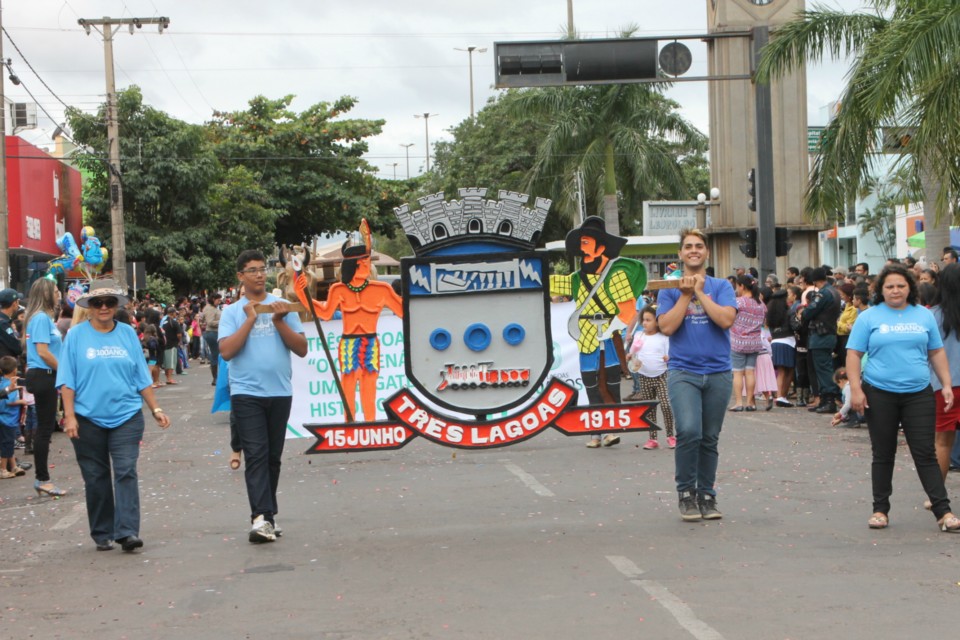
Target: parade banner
476,342
315,397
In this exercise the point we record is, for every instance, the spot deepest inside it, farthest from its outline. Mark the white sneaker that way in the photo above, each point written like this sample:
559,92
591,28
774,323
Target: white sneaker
276,528
262,531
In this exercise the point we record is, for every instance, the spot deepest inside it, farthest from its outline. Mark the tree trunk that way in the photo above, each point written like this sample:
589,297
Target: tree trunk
936,232
611,215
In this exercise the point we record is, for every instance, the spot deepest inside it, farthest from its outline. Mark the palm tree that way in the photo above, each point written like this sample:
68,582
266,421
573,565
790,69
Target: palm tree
627,140
905,78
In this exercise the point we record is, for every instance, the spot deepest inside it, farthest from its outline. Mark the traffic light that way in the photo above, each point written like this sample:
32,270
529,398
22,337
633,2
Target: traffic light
783,241
752,189
749,245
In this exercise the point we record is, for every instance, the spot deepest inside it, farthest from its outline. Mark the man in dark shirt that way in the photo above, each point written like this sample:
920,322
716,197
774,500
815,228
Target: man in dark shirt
9,341
172,333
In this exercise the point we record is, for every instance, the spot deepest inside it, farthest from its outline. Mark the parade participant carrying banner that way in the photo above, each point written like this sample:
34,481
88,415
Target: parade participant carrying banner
605,290
360,301
476,332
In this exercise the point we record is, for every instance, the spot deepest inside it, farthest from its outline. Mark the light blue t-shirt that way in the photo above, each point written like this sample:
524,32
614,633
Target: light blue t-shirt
107,372
262,366
9,413
42,330
897,342
699,345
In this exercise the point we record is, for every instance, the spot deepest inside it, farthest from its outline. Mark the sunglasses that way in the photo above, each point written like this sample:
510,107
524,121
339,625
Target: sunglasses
98,303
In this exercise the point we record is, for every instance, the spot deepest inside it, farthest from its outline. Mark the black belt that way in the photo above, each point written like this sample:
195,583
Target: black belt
596,316
46,371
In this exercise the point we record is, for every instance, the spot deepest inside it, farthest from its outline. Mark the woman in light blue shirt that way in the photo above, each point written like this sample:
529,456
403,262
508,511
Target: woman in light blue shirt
901,338
42,344
104,381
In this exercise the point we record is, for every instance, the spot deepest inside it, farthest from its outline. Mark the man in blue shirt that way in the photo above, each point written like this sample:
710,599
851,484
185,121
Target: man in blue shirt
258,348
697,317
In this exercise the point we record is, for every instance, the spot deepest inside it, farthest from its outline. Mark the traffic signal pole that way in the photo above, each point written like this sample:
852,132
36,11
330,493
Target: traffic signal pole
766,218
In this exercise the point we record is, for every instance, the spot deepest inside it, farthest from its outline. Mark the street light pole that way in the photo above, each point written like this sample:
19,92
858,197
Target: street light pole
426,132
407,149
394,165
470,49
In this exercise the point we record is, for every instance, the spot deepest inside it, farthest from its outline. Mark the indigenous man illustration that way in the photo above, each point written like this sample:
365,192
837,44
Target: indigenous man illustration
360,301
605,291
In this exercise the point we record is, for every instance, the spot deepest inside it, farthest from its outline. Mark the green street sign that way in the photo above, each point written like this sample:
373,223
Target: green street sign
813,138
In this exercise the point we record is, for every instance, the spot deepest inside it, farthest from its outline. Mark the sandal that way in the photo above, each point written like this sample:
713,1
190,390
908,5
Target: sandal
881,521
737,409
949,523
235,460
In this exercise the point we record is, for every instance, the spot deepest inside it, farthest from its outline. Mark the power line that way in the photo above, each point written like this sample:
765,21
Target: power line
43,82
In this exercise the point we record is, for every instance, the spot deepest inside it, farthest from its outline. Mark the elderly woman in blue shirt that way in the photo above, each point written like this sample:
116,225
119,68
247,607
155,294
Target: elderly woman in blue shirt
104,381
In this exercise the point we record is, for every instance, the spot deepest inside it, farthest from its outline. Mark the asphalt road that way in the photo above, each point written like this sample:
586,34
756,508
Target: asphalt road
544,539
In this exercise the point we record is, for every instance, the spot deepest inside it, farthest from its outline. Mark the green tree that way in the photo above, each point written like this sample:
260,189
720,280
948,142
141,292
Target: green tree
906,77
309,163
627,141
167,169
495,150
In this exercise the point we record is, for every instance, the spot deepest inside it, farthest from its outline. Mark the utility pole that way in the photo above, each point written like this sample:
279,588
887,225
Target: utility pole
570,31
407,148
107,27
4,237
426,132
470,51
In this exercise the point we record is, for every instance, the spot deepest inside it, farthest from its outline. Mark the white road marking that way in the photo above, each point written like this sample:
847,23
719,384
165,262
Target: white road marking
625,566
71,518
683,614
532,483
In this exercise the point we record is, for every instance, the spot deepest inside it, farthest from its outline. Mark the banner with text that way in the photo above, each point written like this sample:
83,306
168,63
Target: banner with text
315,396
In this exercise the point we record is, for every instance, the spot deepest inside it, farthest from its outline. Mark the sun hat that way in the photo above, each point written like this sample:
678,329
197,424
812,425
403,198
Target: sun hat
105,288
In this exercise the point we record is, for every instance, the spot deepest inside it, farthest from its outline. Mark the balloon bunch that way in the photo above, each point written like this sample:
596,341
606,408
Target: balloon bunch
87,257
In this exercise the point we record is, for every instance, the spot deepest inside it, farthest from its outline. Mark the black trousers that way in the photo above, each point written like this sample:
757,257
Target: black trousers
916,413
262,426
42,386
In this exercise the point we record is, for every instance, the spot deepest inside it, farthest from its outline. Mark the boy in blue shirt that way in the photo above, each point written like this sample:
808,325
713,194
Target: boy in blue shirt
258,348
9,418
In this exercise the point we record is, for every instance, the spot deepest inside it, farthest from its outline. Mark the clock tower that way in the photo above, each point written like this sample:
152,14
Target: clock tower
733,135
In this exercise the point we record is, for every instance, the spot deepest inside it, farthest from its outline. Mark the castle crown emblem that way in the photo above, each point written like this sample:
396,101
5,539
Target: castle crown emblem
441,223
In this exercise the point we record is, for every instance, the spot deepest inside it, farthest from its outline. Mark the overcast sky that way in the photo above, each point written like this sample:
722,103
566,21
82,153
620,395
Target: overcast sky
397,58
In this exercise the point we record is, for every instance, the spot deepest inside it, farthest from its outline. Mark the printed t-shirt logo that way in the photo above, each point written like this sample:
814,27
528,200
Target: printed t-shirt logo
106,352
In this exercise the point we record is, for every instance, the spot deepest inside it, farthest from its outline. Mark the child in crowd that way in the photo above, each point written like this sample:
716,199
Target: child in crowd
846,416
9,418
151,347
766,377
648,353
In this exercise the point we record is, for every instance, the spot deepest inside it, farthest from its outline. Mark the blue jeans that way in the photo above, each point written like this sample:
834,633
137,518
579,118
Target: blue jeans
210,339
262,427
699,404
113,504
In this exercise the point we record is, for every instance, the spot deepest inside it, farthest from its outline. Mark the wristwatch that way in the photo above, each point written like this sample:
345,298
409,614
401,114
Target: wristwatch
157,410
